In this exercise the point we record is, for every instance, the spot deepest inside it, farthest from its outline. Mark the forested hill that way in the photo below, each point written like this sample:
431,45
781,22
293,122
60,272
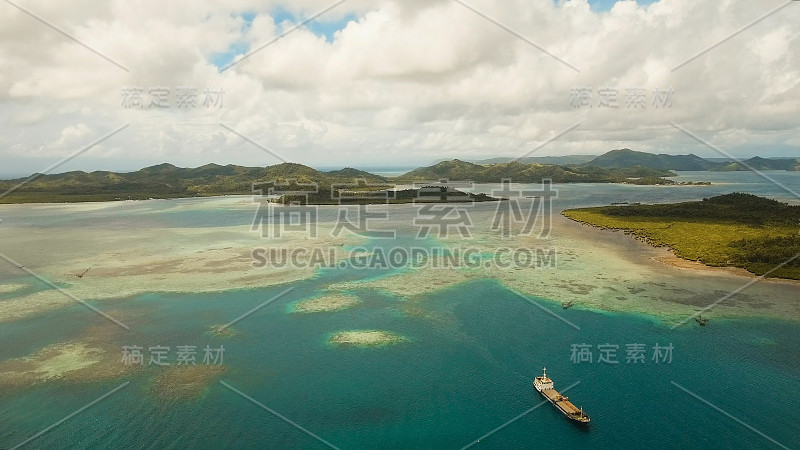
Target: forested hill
169,181
457,170
625,158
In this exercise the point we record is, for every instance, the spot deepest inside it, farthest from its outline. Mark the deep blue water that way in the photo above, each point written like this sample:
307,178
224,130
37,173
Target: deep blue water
465,370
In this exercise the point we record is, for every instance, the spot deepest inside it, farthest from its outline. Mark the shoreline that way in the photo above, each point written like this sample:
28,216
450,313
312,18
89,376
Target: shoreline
671,259
407,184
597,270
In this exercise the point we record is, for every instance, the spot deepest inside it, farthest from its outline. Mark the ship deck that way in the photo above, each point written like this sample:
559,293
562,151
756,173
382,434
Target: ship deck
560,401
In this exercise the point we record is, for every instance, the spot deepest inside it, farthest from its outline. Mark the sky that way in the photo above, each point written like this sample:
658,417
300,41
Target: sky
113,85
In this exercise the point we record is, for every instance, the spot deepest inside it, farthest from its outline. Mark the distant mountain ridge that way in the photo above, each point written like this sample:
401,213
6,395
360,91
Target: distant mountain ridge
567,160
168,181
457,170
617,159
622,158
759,163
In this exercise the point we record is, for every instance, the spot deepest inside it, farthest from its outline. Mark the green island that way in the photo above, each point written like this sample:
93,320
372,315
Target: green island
732,230
165,181
457,170
626,157
354,186
345,186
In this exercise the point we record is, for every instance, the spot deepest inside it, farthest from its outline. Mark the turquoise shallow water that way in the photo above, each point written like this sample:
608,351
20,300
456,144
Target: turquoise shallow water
465,370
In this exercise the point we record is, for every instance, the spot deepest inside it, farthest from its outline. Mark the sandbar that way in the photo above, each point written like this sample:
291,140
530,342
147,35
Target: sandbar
328,302
8,288
137,261
366,338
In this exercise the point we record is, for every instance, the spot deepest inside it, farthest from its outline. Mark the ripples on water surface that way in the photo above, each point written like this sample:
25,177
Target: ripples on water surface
466,367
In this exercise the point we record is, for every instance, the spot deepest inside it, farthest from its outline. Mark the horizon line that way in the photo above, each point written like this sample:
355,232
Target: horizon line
365,167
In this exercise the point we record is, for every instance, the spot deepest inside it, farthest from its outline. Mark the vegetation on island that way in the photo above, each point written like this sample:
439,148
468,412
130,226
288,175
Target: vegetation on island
457,170
318,187
350,186
738,230
565,160
169,181
616,159
622,158
758,163
627,158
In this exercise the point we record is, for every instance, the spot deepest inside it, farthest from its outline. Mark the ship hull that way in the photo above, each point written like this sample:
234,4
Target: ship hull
545,387
572,419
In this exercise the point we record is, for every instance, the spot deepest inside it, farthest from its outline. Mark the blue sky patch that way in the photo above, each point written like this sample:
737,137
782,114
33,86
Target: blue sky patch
328,28
237,48
320,27
606,5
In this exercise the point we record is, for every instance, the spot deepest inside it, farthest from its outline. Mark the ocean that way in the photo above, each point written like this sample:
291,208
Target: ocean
460,376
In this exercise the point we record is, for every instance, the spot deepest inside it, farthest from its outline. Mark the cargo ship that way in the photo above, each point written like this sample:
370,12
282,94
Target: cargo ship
545,387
